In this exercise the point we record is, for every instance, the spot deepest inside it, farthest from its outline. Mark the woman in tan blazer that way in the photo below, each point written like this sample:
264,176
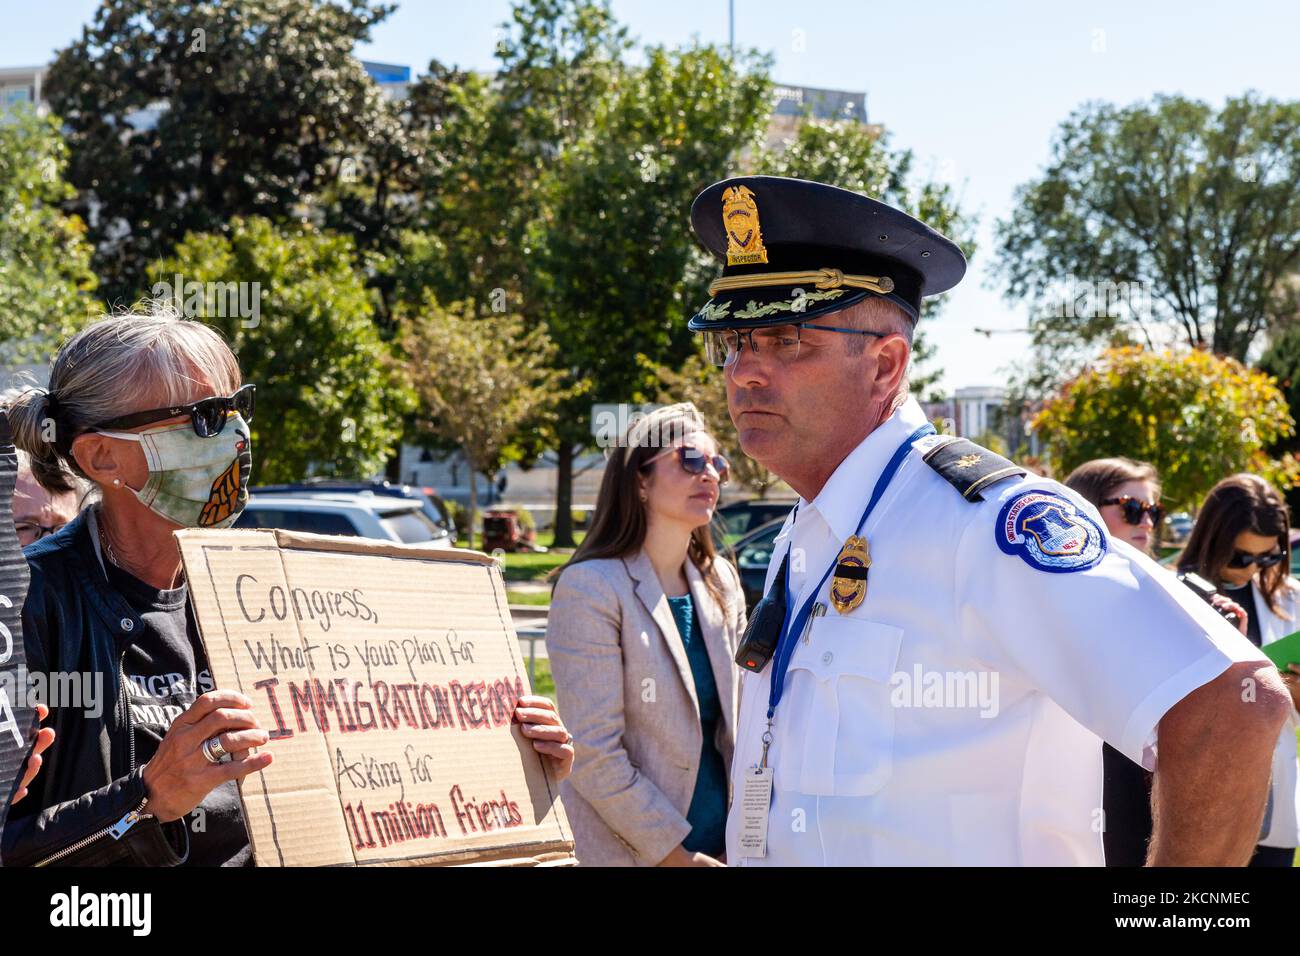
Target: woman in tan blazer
642,631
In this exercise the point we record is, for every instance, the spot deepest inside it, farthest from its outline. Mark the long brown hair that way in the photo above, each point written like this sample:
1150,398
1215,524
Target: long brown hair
1236,504
618,525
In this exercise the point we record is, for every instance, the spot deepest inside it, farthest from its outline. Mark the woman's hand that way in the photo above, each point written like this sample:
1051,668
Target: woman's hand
44,737
179,776
1223,603
684,857
541,722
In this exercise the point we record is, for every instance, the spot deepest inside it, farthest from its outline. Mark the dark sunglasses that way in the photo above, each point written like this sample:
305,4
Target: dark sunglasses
694,462
1134,508
1244,559
208,416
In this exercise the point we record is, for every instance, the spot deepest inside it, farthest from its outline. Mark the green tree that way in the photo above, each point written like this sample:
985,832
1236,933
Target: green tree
557,190
329,400
617,268
1159,219
45,277
1196,417
183,113
480,383
852,156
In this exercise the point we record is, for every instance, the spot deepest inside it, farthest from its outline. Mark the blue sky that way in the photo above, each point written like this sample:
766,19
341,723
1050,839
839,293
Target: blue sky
975,90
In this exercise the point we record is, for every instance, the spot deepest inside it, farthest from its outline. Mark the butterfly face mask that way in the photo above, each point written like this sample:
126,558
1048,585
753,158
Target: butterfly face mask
195,482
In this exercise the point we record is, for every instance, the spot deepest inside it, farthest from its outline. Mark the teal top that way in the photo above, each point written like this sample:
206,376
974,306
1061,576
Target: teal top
708,812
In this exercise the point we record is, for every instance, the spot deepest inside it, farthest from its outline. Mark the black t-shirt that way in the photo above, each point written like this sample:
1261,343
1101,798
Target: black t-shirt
1245,596
166,671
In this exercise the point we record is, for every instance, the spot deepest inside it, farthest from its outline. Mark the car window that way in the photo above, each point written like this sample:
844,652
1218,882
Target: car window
757,554
409,527
313,522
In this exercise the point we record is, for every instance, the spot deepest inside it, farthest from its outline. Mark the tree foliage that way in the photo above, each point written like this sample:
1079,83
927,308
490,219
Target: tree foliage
256,106
480,383
1162,221
328,399
45,276
1196,417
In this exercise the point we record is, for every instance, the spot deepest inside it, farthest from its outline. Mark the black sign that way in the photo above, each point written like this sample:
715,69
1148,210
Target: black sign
17,715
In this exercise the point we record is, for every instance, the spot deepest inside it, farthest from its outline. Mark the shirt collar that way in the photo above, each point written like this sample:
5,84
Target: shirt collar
842,498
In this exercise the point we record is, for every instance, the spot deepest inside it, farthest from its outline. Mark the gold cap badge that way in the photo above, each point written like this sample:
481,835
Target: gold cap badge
740,221
849,586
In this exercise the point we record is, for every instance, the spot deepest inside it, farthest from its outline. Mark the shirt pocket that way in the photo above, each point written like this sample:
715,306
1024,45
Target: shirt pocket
848,736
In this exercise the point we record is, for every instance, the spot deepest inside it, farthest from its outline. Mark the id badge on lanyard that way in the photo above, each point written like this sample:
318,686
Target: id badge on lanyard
755,797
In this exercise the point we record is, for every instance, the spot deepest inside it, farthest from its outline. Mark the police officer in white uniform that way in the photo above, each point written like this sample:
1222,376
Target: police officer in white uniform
944,637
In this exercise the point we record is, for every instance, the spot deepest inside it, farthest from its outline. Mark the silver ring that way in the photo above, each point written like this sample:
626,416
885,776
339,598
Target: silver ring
213,750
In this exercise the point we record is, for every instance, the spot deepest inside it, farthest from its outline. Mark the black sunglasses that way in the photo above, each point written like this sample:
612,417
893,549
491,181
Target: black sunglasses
1244,559
208,416
694,462
1134,508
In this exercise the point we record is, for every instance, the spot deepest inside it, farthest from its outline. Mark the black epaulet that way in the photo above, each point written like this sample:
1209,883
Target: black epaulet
968,467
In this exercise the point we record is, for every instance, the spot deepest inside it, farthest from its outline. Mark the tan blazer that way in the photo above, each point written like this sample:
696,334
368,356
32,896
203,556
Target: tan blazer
623,686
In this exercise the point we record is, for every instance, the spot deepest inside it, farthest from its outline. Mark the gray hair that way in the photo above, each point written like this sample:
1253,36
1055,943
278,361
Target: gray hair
108,369
878,315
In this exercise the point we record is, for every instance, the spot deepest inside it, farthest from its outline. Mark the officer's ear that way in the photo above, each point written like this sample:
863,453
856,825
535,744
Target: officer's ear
890,357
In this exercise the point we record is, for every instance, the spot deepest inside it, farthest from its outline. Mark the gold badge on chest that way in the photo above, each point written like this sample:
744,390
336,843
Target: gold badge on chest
849,585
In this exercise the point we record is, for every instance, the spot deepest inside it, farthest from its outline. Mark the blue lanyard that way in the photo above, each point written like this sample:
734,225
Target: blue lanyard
791,630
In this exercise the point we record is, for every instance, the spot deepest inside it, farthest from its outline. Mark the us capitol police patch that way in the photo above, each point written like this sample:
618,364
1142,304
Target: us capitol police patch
1049,532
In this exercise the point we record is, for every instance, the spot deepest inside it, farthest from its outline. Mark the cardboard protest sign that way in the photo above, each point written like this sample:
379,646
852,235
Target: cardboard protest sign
17,716
387,676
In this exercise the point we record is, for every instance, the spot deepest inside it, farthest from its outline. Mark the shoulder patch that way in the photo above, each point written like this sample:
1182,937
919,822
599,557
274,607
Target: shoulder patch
1049,532
968,467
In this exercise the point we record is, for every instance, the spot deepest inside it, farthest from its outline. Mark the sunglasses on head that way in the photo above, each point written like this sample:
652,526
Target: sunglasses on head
208,416
694,461
1134,508
1244,559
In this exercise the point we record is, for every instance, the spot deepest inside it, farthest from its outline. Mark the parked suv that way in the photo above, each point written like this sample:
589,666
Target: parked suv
433,506
363,515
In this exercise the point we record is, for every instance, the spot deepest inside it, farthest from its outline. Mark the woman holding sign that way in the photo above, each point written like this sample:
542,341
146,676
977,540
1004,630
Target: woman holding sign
151,409
641,634
1241,543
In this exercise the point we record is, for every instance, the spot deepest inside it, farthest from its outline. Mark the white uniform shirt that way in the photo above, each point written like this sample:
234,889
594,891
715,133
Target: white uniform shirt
953,717
1282,820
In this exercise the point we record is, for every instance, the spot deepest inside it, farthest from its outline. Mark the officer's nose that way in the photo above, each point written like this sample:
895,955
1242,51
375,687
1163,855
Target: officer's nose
747,368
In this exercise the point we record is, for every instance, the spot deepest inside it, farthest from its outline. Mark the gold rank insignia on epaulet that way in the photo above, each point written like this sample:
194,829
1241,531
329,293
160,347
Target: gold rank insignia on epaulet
968,467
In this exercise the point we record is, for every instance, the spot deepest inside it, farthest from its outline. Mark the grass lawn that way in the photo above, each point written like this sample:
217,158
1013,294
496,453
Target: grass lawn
533,566
542,683
536,598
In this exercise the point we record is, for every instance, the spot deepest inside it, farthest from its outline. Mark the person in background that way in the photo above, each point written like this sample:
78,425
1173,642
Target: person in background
1241,544
643,627
1127,495
38,512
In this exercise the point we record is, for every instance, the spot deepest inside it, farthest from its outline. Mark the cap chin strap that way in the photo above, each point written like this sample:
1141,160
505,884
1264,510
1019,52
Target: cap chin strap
821,278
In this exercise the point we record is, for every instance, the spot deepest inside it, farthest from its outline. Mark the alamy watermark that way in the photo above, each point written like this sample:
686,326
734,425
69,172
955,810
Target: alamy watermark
213,300
957,690
1075,298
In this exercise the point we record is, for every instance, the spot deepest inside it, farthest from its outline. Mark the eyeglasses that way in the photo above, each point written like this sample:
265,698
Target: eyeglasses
694,462
781,342
33,531
1134,508
1244,559
208,416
